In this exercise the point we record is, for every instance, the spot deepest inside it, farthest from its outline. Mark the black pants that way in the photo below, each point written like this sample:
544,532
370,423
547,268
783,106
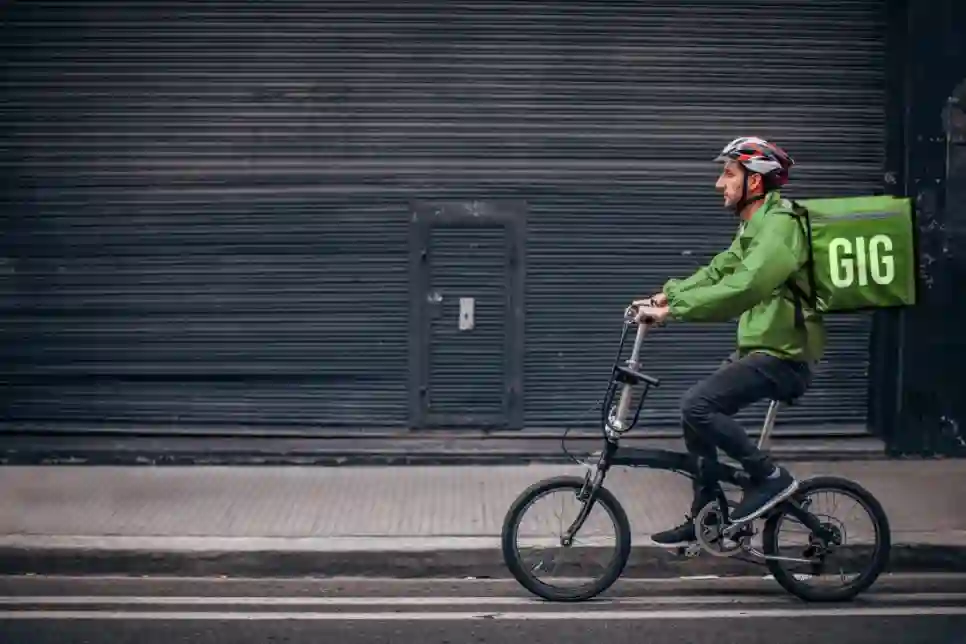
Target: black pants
707,409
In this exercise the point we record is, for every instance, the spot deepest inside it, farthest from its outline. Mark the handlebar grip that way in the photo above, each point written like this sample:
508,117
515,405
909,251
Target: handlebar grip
631,312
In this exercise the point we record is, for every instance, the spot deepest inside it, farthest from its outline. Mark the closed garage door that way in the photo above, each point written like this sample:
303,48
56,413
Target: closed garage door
207,204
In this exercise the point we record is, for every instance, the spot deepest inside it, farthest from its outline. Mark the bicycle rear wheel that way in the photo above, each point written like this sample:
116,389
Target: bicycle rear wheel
517,524
872,542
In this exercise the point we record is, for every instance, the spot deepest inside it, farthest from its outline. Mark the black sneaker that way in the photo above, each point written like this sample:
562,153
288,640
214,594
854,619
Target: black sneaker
758,500
682,535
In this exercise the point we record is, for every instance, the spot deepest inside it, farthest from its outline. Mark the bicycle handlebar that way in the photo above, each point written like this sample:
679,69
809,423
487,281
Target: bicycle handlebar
630,313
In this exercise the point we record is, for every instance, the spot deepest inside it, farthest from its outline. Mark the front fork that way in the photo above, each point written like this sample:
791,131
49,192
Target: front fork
593,480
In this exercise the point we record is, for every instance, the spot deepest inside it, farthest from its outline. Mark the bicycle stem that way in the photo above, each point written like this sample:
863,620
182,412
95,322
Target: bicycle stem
623,407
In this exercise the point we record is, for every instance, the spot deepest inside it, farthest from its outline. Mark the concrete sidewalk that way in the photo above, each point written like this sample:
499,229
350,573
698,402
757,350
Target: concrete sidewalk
387,521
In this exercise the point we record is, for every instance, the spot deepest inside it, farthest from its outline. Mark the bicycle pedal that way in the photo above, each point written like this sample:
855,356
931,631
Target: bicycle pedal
689,551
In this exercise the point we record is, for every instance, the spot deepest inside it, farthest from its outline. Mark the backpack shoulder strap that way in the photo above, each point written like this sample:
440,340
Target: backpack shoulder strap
794,209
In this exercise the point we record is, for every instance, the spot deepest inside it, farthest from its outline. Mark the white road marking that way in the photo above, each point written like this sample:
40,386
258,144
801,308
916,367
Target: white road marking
376,544
894,611
361,601
309,579
119,600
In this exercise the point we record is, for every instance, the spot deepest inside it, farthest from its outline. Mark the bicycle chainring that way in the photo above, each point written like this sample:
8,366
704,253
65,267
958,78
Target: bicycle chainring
708,528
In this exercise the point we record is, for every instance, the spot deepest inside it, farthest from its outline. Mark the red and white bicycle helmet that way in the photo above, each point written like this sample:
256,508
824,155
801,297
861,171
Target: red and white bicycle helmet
760,156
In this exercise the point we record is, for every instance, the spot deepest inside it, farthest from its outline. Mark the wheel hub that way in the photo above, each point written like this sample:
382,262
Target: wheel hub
818,547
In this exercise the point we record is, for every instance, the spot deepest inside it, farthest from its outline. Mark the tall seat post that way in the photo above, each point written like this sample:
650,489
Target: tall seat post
768,425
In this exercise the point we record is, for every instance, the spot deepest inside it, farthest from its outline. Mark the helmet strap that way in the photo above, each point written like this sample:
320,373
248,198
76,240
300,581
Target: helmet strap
745,200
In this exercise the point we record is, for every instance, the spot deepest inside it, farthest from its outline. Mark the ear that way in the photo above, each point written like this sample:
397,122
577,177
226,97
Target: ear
755,182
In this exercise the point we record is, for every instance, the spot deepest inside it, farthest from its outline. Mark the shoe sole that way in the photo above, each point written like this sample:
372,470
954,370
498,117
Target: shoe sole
679,544
781,496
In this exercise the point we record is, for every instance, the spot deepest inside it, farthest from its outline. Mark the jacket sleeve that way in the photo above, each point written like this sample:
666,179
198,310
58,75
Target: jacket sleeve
721,264
775,254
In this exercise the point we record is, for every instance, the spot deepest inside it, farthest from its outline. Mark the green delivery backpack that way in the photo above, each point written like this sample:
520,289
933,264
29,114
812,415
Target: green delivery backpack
862,253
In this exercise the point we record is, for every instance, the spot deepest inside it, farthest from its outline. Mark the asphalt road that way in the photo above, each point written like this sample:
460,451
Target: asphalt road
899,610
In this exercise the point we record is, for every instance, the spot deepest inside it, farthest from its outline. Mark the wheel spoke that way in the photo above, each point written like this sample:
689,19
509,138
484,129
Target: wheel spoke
846,565
581,570
811,569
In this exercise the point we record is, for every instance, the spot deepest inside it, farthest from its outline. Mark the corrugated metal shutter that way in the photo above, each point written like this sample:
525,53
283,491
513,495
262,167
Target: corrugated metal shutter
467,368
208,199
183,311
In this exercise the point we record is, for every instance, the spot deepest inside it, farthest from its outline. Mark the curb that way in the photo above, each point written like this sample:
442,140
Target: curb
474,562
343,459
402,455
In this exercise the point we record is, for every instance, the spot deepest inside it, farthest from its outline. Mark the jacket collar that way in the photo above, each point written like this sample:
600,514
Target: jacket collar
767,205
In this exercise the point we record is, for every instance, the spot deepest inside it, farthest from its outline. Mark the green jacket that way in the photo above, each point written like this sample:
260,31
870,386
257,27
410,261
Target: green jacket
747,280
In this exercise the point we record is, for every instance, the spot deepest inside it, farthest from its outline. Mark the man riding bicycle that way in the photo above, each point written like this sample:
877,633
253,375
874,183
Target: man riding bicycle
778,340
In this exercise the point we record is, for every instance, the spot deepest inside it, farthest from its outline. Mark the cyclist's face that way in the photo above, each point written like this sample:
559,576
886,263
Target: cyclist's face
730,181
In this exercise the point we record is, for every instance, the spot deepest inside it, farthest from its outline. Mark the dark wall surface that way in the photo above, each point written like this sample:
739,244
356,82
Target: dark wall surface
930,413
209,206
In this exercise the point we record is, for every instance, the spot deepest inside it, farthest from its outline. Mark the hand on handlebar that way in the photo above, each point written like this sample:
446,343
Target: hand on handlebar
647,312
658,300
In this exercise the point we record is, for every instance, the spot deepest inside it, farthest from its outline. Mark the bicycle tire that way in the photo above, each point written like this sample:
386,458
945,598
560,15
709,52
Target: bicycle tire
880,557
511,525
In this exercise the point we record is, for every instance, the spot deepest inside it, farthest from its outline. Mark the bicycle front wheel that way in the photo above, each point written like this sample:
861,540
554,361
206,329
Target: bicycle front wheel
588,551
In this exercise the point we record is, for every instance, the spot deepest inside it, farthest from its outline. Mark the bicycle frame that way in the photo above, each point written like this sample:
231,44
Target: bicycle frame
712,473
